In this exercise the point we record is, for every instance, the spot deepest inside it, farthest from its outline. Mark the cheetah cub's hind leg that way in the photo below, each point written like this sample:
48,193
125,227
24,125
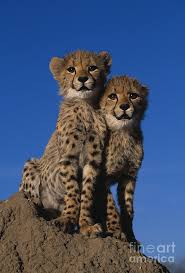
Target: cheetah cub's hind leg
66,174
30,184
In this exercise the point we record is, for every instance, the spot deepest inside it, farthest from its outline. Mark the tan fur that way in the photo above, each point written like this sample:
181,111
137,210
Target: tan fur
77,144
81,61
123,103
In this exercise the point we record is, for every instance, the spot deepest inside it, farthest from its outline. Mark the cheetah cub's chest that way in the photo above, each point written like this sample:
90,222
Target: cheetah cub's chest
122,154
95,139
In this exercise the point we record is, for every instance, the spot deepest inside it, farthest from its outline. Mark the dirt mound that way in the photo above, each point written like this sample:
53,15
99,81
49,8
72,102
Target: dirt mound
30,244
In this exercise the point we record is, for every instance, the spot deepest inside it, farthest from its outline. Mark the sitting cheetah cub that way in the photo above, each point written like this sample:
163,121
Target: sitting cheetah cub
124,103
76,145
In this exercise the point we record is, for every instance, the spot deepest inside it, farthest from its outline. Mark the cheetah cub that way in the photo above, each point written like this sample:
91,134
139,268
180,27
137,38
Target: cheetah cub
74,152
124,103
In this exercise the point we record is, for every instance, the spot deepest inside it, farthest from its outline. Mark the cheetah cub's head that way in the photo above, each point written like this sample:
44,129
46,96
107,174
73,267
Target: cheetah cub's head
81,74
124,102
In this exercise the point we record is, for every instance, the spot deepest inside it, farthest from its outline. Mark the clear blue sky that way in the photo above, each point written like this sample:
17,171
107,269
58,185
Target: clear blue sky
146,40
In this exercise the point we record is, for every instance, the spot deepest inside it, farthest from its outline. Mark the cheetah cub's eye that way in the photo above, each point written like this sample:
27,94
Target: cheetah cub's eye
133,96
92,68
112,96
71,69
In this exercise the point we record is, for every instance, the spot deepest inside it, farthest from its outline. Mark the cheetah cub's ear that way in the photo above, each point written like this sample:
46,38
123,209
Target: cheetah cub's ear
56,67
107,59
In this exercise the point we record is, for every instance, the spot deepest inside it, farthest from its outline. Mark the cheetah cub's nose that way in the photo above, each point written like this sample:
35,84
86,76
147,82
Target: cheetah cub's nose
83,79
124,106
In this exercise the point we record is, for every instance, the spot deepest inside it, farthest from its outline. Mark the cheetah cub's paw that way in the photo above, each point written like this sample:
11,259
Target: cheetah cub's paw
119,235
91,230
64,224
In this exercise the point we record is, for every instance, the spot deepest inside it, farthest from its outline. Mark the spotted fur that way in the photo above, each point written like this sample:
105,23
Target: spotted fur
65,176
124,103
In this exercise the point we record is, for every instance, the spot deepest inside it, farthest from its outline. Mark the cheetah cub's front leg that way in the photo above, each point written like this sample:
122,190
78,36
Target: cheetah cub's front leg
113,222
90,174
126,188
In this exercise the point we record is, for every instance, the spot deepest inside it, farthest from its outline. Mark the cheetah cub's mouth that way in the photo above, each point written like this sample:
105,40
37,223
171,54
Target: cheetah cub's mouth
83,93
122,117
84,88
118,122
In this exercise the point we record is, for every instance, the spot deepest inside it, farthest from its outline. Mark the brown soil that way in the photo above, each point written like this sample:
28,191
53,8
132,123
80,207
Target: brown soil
30,244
